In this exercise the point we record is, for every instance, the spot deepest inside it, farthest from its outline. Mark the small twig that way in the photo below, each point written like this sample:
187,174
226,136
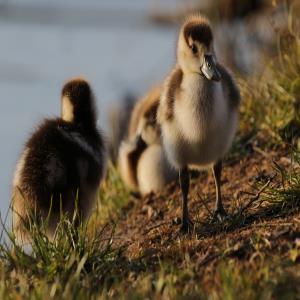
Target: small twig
203,202
262,152
114,238
297,220
208,258
256,196
266,225
248,193
155,226
260,204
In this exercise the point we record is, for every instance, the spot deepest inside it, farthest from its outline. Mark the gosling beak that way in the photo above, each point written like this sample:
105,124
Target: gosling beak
209,68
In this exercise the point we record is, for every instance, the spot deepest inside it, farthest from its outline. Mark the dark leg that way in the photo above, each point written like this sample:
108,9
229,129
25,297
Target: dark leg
220,212
184,180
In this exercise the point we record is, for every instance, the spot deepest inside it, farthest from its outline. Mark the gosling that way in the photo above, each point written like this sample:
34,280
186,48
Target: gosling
62,163
142,162
198,110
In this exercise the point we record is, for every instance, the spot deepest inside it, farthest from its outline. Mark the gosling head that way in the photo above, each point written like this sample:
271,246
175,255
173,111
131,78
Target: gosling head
78,103
195,51
148,128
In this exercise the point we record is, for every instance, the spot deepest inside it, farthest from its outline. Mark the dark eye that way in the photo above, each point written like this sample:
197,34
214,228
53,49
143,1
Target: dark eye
194,48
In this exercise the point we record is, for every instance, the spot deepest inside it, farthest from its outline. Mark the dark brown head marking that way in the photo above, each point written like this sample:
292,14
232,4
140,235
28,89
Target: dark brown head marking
144,108
79,92
198,31
174,86
150,113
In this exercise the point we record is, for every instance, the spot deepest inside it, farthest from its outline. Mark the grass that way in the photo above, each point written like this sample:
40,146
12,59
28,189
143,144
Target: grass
57,267
271,100
112,197
255,254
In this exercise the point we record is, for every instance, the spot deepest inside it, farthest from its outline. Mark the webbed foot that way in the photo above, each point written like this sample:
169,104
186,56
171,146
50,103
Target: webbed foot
220,215
187,226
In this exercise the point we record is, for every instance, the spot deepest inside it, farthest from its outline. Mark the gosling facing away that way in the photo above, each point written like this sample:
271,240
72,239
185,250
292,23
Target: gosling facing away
198,110
63,159
142,162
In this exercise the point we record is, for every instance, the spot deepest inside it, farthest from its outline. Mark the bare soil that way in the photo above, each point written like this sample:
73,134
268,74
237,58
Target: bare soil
149,227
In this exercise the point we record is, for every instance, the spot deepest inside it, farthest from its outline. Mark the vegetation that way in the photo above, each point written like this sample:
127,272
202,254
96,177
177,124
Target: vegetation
131,249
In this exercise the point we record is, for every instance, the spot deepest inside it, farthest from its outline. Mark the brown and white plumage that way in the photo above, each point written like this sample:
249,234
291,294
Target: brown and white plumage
142,161
62,160
198,108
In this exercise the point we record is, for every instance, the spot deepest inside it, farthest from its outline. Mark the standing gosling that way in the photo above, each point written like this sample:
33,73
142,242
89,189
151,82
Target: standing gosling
142,161
198,110
63,160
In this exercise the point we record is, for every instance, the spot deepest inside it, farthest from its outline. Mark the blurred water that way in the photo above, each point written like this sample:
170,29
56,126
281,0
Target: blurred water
109,42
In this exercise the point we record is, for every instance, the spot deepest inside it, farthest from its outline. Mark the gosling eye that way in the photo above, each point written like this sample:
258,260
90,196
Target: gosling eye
194,49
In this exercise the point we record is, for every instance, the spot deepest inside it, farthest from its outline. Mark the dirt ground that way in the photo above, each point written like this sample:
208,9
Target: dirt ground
149,227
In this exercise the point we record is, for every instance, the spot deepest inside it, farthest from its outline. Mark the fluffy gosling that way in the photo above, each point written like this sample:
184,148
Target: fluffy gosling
142,161
63,160
198,110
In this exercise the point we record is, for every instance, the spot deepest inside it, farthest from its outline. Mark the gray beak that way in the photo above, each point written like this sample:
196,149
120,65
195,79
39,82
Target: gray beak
209,68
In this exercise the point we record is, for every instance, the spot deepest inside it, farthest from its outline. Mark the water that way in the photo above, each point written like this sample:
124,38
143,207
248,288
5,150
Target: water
109,42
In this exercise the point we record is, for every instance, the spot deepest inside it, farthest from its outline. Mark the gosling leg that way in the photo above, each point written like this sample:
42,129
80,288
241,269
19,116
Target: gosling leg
219,212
